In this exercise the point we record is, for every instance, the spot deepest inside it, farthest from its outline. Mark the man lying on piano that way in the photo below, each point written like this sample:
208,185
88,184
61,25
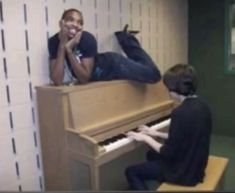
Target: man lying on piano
74,58
182,158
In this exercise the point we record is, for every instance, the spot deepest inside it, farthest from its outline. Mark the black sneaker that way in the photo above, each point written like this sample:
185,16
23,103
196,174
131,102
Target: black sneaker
125,30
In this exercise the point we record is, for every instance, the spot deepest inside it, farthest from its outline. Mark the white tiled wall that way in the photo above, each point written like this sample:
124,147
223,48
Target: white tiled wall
24,28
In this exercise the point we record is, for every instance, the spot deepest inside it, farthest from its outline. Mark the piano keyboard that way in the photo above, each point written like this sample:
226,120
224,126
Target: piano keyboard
121,139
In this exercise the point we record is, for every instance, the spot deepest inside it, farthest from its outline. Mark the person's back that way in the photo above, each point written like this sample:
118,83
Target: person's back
190,128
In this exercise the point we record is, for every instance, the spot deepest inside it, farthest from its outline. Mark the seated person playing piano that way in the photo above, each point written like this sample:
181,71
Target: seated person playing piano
182,158
74,58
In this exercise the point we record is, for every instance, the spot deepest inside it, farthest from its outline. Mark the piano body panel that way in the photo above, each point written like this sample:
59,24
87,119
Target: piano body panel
51,114
120,126
112,173
74,119
82,144
92,174
98,105
105,172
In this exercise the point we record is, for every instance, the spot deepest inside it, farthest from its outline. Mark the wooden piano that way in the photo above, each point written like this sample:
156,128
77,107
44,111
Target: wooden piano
76,121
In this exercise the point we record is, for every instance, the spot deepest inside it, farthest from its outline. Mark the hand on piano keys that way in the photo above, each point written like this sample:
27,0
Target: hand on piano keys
123,139
160,125
138,136
154,129
152,133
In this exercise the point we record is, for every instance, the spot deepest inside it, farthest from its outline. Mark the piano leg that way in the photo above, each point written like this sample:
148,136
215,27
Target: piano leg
95,177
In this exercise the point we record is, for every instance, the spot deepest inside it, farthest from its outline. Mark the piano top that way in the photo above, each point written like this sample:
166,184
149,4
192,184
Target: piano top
91,85
103,105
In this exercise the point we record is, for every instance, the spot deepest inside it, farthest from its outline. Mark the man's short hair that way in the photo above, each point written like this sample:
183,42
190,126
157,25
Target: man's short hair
182,79
70,10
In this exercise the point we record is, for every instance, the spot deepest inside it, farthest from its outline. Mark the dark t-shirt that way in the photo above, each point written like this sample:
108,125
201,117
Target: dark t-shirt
186,151
87,47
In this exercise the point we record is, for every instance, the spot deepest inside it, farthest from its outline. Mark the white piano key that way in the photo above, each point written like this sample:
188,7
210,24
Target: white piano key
117,144
126,140
109,147
113,146
122,142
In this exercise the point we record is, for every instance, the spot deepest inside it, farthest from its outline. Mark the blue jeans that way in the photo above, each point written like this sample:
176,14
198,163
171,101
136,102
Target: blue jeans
137,66
150,170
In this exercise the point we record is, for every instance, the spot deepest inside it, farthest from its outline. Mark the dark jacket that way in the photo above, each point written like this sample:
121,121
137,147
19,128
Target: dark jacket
185,153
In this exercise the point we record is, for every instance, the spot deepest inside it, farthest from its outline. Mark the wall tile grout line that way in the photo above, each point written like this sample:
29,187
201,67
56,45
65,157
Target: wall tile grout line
25,13
5,67
11,120
3,40
1,12
8,94
13,145
26,40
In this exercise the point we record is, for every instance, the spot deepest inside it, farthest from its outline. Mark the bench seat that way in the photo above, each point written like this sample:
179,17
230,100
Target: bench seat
213,181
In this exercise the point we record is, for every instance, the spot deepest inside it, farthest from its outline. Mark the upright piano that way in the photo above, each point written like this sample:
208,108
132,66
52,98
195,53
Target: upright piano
82,130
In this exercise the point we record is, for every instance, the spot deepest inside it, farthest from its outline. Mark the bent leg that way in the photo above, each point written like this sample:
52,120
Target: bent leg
137,174
135,52
132,48
117,67
152,155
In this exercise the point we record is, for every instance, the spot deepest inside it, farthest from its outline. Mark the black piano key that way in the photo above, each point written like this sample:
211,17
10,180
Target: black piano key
158,120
